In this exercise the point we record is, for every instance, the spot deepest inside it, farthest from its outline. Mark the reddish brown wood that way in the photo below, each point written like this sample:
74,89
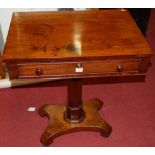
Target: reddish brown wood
74,111
2,73
68,69
145,63
75,45
12,70
58,126
45,36
106,38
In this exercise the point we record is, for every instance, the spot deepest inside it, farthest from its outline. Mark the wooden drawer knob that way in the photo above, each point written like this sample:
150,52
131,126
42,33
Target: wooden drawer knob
39,71
119,68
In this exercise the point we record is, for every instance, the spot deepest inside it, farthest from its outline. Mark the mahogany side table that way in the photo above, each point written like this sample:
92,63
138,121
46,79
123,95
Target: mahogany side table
75,45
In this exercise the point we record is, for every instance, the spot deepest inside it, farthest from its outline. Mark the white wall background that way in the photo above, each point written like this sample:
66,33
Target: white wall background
1,40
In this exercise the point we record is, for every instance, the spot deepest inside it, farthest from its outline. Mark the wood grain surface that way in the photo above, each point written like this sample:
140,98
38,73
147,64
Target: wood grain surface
73,45
53,36
2,73
58,126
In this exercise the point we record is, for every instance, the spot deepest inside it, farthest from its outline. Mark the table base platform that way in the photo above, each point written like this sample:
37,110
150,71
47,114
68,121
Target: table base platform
90,121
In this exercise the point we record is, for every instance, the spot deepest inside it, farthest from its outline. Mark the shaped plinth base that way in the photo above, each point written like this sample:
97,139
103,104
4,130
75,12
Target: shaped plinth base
58,126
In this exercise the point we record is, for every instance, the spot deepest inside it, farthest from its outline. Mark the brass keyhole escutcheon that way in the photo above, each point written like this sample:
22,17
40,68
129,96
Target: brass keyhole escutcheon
79,65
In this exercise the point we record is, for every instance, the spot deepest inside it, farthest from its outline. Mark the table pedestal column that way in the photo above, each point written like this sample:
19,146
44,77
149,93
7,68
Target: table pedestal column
74,112
75,116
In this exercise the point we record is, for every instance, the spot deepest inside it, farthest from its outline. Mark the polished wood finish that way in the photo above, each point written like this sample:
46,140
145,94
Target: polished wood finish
74,111
58,126
53,44
79,35
2,73
71,69
75,46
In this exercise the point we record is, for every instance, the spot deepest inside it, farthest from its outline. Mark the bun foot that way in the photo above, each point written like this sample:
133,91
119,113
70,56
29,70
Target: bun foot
58,126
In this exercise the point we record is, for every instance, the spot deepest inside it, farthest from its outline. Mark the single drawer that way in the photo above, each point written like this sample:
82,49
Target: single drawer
78,69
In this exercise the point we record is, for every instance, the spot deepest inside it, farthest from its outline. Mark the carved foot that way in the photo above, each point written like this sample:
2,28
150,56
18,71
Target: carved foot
58,126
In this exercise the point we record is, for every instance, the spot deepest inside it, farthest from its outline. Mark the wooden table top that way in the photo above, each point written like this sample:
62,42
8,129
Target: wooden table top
71,35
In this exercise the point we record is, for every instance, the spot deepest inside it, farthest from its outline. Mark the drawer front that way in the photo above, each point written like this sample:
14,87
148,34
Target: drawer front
78,68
